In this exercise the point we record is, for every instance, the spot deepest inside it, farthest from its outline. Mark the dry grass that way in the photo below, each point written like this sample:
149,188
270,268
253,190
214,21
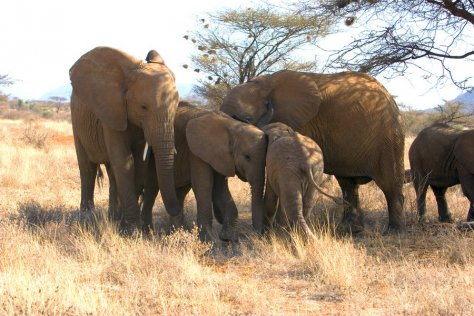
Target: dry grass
50,265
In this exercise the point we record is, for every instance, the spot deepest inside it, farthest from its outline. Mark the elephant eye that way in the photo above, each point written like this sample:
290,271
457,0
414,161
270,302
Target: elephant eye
247,157
144,107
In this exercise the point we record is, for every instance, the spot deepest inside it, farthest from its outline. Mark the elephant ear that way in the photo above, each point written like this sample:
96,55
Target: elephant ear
98,80
209,138
295,97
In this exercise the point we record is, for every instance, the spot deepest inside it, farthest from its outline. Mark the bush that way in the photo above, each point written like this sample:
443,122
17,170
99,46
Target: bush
32,135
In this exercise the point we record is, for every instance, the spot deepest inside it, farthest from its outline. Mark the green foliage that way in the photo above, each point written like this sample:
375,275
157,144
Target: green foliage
46,113
20,104
456,114
453,113
5,80
236,45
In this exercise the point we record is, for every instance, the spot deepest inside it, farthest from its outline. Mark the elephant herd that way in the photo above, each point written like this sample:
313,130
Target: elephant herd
279,132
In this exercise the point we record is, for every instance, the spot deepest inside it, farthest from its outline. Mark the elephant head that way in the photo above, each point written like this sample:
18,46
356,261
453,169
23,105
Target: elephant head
274,98
121,90
232,148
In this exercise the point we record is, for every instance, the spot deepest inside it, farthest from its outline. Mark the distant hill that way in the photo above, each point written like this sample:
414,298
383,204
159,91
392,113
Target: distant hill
466,98
65,91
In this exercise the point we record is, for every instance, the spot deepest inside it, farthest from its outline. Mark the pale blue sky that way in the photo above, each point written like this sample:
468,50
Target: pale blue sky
42,39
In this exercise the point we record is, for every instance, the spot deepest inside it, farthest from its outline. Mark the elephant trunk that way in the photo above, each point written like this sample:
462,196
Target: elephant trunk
257,204
267,116
162,143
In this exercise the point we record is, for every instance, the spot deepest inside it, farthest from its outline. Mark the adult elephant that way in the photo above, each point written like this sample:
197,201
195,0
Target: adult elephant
352,118
440,157
211,146
118,103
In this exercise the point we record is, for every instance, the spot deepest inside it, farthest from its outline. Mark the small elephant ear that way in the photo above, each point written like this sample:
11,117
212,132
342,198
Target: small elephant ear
98,80
209,139
276,130
295,97
154,57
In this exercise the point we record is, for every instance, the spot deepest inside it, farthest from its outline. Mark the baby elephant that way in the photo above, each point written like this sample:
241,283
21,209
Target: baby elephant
294,166
440,157
210,147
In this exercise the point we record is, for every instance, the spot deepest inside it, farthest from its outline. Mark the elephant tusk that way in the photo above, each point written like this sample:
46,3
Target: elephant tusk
145,151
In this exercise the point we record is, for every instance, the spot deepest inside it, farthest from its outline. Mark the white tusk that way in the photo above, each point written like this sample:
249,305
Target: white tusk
145,151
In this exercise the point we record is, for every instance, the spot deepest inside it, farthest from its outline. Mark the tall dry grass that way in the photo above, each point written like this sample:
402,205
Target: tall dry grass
51,265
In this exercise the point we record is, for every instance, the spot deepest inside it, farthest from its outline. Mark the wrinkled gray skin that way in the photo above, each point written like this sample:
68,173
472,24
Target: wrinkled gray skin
440,157
117,103
211,147
352,118
294,167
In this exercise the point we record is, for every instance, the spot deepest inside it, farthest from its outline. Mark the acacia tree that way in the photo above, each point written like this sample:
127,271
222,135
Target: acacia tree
58,102
5,80
400,33
235,45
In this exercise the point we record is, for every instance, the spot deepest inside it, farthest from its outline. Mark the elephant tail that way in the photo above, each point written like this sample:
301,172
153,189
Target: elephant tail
100,176
337,200
407,176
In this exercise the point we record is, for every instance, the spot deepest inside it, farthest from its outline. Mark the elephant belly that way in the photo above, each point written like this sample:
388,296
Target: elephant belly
364,155
88,132
443,181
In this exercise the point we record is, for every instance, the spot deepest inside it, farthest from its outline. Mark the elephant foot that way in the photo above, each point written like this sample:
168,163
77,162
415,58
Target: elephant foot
395,229
351,224
470,217
465,226
177,221
148,229
205,236
348,228
89,220
423,219
448,218
228,235
130,228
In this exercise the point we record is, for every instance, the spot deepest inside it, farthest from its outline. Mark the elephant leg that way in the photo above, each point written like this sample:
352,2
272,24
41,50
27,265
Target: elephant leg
142,170
114,207
88,174
270,204
444,215
421,186
470,213
225,208
220,197
396,215
202,181
178,220
309,201
123,168
466,178
150,191
352,220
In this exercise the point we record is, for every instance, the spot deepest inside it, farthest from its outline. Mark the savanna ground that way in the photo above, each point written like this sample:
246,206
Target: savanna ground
50,265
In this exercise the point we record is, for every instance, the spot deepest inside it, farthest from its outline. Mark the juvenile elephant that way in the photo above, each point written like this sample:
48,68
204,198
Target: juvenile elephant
352,118
212,146
294,166
440,157
118,103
